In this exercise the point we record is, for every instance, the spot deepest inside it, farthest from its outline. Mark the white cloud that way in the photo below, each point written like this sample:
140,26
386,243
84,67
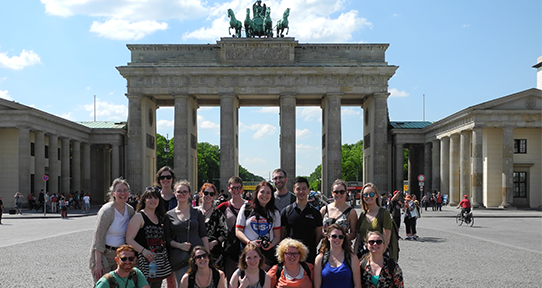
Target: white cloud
134,18
262,130
269,110
350,111
164,124
304,148
302,134
107,111
465,25
4,94
67,116
255,160
117,29
397,93
26,58
310,113
206,124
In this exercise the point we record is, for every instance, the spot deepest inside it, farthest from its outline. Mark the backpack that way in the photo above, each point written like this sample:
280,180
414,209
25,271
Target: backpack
113,282
241,274
394,238
192,278
280,266
347,258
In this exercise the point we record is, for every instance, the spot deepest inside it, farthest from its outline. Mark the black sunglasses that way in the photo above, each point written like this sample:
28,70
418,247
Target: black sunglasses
131,258
335,236
208,193
339,192
366,195
168,177
372,242
202,256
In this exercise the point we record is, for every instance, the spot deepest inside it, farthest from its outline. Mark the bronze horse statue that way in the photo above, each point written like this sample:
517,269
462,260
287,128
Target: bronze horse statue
283,23
235,24
268,24
248,25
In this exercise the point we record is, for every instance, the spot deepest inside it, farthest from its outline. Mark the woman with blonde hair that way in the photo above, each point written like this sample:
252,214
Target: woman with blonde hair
110,231
376,269
292,271
336,265
250,273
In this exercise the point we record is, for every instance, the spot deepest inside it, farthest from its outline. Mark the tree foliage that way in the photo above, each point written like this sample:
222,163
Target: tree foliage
352,161
164,158
315,179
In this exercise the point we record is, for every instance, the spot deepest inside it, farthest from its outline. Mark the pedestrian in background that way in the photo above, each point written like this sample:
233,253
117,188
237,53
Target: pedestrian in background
18,202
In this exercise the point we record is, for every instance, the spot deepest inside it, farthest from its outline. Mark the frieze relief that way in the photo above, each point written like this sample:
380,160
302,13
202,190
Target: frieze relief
259,53
261,81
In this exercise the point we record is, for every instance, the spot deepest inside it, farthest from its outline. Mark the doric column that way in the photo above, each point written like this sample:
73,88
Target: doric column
54,165
115,158
65,165
331,141
135,143
287,136
186,141
229,138
380,141
507,166
477,168
400,158
445,165
86,167
427,171
24,161
435,181
454,169
76,165
464,164
39,161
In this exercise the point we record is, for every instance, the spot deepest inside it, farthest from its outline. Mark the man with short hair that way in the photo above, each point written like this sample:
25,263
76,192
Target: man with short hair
301,221
125,275
283,197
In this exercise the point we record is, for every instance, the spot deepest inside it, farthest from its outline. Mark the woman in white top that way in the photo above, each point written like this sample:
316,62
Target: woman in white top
110,232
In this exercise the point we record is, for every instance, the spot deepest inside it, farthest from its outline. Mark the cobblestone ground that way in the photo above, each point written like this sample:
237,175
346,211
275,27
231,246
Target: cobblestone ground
493,253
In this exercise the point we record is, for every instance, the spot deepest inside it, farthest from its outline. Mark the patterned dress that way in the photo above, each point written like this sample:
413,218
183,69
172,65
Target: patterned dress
387,278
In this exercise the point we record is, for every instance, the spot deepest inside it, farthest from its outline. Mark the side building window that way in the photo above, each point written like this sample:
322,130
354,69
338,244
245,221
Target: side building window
520,146
32,146
520,184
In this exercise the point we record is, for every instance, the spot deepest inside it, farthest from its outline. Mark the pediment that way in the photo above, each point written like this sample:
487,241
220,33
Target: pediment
11,105
526,100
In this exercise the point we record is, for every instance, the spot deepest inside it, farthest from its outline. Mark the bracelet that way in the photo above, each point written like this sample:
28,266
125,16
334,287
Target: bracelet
248,242
142,251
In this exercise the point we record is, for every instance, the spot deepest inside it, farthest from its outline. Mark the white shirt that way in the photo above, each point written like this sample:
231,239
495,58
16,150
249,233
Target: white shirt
116,235
253,225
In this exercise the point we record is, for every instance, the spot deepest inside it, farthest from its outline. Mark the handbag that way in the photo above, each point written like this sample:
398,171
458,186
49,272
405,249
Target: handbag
178,258
162,263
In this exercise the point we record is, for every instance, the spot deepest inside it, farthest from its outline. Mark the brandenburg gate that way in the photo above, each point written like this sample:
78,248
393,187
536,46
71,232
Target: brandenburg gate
237,72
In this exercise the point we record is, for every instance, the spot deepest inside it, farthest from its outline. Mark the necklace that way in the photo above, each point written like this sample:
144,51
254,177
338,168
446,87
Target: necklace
199,281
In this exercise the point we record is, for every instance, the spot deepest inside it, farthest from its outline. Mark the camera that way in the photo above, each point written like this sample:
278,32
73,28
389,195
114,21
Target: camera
264,241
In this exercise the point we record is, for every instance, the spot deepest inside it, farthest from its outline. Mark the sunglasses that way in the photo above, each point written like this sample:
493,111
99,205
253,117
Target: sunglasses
339,192
208,193
153,189
201,256
168,177
236,188
366,195
372,242
123,259
335,236
278,178
292,254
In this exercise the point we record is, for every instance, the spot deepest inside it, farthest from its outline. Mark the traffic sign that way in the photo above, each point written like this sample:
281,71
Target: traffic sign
45,177
421,178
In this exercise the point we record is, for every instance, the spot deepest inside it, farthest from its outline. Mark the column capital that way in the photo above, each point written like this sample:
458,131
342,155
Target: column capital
288,94
133,95
226,95
180,95
334,95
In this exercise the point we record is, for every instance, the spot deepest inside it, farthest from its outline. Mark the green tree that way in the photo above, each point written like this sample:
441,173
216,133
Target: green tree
164,157
247,176
352,161
315,179
208,164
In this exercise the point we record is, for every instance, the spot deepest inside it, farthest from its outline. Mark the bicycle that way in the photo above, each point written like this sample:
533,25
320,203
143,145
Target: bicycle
468,219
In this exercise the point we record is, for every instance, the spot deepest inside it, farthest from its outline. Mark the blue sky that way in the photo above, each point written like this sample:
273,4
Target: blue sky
55,55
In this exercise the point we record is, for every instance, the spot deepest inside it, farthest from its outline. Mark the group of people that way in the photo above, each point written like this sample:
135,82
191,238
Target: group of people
56,202
270,240
434,201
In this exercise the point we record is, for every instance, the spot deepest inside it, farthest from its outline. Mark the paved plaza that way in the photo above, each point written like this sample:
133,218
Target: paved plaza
503,249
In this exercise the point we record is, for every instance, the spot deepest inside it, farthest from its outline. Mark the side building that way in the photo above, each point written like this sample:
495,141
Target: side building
75,156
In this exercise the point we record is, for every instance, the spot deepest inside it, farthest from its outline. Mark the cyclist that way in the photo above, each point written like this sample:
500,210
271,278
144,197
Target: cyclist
465,206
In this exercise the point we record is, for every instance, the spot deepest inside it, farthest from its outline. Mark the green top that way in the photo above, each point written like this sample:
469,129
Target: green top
365,226
124,281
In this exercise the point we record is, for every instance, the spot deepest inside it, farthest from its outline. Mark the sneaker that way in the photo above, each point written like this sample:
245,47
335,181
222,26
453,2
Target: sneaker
408,238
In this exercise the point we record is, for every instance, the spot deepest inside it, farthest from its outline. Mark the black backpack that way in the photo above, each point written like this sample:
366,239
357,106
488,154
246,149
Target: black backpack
192,278
241,274
280,266
347,258
113,282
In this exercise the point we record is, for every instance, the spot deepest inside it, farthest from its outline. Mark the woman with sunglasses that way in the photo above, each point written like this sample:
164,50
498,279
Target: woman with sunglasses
165,177
260,224
339,211
374,218
110,231
217,230
146,234
184,227
336,265
292,271
377,270
250,273
201,272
